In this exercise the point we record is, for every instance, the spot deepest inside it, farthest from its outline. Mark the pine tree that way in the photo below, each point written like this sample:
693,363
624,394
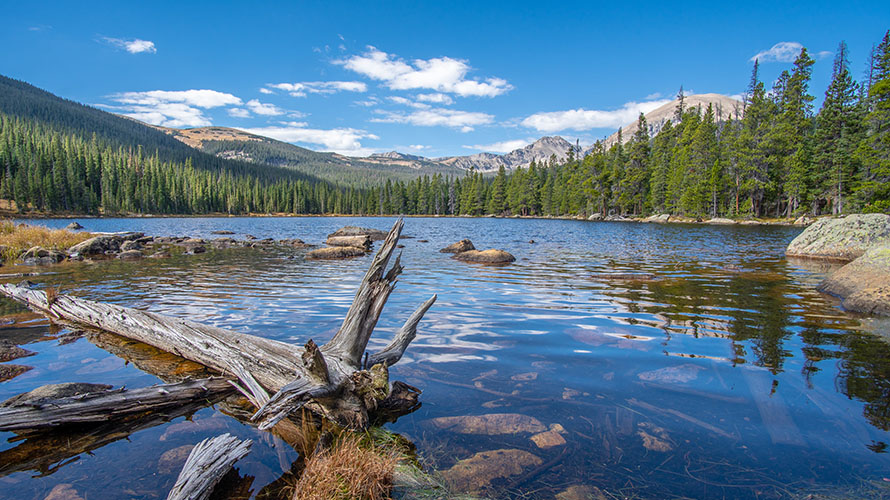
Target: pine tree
873,189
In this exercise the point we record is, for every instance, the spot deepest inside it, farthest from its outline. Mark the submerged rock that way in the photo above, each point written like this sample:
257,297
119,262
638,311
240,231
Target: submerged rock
491,424
335,253
581,492
374,234
864,284
74,226
548,439
222,232
294,242
490,256
11,371
463,245
63,491
9,352
841,239
625,276
477,472
172,460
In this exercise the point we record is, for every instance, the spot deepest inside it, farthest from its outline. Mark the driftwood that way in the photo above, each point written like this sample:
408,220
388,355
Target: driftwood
66,404
206,465
49,450
333,380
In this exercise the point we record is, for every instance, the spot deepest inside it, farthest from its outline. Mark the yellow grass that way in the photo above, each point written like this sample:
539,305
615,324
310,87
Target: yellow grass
21,237
350,470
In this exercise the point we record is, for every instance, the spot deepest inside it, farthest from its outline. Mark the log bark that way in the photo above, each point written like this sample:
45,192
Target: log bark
332,380
56,405
206,465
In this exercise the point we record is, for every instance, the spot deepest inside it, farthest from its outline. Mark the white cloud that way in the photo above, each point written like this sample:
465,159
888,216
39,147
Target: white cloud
239,113
300,89
346,141
780,52
583,119
182,108
463,120
264,90
502,147
824,54
442,74
436,98
264,109
133,46
408,102
418,147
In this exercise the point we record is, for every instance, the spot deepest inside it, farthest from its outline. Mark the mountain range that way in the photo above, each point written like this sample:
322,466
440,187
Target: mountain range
234,143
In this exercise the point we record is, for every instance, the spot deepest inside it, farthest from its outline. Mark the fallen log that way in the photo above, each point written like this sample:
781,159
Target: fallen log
206,465
65,404
331,380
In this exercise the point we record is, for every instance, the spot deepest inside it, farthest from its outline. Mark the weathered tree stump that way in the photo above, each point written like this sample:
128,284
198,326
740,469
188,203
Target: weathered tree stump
333,380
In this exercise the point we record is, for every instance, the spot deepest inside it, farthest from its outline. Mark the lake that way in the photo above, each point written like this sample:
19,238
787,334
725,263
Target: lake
728,376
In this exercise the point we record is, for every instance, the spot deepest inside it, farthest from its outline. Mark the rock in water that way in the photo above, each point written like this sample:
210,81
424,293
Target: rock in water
478,471
864,284
659,218
361,241
841,239
463,245
720,221
491,424
130,255
490,256
222,232
596,217
336,253
374,234
96,245
74,226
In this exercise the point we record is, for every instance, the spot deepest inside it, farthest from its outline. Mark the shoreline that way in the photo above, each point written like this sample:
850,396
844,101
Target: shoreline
640,220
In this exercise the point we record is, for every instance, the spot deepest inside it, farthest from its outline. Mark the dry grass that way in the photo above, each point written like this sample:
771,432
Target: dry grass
21,237
350,470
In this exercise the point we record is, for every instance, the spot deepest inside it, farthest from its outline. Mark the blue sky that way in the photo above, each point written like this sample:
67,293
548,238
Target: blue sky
426,78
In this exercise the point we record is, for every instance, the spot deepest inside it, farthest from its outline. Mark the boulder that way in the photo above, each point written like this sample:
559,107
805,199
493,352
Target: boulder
159,255
222,232
335,253
841,239
130,255
596,217
490,256
39,256
463,245
658,218
864,284
478,472
294,242
74,226
804,220
130,245
35,253
720,221
97,245
374,234
360,241
617,218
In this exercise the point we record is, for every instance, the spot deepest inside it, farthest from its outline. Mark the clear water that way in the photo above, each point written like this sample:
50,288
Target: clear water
755,385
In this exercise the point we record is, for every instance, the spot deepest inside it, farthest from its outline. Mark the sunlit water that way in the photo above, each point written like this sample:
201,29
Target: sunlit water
754,384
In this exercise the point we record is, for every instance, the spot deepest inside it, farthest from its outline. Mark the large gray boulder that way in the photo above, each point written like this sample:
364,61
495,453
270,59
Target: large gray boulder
864,284
374,234
97,245
841,239
361,241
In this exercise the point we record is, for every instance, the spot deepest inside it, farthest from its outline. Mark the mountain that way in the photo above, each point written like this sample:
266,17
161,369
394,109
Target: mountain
234,144
539,151
725,107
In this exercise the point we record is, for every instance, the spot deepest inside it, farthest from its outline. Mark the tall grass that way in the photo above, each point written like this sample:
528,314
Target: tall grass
350,470
20,237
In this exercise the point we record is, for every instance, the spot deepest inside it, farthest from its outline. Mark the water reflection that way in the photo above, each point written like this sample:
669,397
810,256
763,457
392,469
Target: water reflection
727,376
